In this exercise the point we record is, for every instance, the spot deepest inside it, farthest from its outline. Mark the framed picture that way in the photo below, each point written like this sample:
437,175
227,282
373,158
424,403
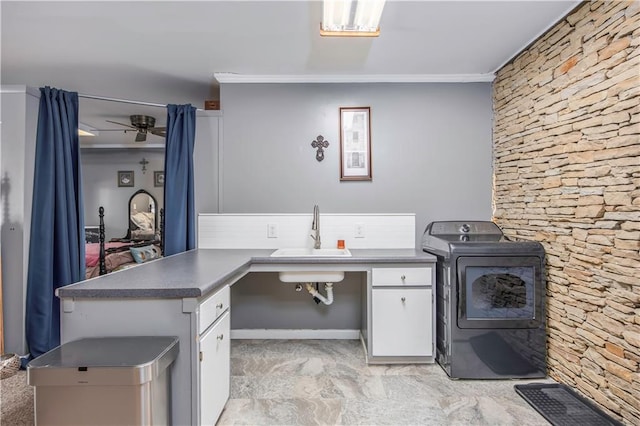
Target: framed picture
355,143
91,234
158,178
125,178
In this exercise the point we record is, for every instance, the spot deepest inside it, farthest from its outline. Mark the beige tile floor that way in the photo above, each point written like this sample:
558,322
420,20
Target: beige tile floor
327,382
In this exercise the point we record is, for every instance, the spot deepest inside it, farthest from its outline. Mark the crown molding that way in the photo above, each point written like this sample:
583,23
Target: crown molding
224,77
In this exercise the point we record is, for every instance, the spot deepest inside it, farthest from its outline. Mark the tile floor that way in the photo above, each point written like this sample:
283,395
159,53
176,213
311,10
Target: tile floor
327,382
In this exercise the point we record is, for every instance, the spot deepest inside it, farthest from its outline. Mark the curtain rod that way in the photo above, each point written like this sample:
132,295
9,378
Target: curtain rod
125,101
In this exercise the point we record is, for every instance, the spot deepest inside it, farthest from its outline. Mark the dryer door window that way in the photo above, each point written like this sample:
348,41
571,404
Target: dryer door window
499,292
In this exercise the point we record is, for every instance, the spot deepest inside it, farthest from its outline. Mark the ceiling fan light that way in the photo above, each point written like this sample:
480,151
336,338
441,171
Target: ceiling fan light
344,18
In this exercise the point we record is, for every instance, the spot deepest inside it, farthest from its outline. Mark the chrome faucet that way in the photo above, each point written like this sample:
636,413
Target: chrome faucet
315,226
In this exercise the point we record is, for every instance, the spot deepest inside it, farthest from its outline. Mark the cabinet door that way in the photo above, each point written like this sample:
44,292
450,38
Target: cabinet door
214,370
402,322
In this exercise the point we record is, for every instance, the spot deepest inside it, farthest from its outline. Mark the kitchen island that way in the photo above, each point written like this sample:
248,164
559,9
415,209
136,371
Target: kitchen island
187,295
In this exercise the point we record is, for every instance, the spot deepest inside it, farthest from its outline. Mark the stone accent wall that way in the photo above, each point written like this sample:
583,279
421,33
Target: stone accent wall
567,174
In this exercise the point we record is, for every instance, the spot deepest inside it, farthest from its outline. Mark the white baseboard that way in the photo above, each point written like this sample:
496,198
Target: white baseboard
295,334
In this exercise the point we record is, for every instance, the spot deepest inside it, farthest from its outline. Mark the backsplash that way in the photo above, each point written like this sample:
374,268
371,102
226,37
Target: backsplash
273,231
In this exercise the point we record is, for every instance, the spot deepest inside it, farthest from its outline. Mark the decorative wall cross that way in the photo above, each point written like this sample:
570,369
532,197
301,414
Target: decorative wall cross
144,163
320,143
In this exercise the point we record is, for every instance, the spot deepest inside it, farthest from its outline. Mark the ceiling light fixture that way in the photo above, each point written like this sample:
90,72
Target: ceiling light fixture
351,18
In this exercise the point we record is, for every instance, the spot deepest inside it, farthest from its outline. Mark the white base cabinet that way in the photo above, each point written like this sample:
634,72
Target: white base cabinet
214,326
401,325
215,356
401,322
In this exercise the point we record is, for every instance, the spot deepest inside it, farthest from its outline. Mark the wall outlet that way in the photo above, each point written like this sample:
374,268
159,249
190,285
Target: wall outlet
358,231
272,230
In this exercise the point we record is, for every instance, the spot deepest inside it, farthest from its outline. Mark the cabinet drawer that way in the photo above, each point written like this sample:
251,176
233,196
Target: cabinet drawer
401,277
212,308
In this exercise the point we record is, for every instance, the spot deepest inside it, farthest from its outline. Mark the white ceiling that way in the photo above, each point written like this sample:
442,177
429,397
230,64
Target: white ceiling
168,52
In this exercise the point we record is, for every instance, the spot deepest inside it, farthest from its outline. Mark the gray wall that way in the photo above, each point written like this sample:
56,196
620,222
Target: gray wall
278,306
431,148
100,187
206,161
19,122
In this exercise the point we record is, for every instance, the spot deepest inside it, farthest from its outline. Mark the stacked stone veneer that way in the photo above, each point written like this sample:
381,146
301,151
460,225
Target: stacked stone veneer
567,174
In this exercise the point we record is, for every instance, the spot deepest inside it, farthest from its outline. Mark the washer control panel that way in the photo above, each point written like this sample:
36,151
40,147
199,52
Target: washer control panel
464,228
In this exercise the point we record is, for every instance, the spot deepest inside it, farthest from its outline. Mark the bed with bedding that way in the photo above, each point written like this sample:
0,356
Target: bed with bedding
142,244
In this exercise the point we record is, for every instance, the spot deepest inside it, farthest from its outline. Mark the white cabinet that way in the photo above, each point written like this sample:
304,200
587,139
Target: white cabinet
214,370
214,356
401,311
401,322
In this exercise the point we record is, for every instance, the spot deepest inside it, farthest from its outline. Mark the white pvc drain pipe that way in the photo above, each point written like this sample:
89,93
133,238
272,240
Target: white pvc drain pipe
328,288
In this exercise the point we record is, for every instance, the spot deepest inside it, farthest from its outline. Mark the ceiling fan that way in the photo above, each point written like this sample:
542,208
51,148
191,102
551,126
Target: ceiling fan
142,124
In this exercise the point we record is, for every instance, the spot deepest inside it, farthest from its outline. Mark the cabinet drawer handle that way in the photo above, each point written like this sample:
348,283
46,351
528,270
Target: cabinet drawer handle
403,299
403,277
219,305
220,337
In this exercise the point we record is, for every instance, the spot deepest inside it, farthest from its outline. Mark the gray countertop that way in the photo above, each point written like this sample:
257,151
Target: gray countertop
198,272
